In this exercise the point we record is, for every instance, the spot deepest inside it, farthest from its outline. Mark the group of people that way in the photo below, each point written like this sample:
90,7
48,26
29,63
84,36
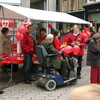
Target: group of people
52,45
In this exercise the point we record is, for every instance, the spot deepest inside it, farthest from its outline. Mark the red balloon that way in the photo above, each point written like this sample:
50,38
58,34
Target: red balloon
84,34
22,29
76,49
49,26
88,33
19,36
68,49
12,56
86,29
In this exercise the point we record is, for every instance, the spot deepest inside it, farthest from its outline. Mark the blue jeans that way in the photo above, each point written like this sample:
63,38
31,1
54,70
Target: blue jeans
27,66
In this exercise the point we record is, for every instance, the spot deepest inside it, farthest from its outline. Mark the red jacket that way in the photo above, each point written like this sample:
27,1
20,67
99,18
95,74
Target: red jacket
57,44
80,38
27,44
40,39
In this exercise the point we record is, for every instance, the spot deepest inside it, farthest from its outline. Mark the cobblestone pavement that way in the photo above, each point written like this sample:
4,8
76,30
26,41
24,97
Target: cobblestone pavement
23,91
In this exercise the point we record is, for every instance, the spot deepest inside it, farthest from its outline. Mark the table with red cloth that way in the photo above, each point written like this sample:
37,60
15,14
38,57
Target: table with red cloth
18,61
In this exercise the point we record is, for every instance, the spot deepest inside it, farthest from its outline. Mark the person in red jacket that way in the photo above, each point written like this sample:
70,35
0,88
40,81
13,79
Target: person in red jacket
42,35
27,45
56,43
77,38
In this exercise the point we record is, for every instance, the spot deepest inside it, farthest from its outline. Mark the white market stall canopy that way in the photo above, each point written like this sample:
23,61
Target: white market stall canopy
15,12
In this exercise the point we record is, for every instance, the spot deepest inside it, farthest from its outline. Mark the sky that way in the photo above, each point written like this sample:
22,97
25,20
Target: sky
10,1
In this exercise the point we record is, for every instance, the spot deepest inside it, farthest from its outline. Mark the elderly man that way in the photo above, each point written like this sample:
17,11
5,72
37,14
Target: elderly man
77,38
57,63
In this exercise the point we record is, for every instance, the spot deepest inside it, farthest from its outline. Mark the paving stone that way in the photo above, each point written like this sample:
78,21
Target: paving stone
23,91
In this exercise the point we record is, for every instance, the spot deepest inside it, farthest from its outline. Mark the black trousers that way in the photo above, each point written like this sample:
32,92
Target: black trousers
80,65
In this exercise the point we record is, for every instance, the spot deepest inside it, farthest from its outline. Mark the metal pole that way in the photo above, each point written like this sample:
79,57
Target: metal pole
47,21
2,13
84,18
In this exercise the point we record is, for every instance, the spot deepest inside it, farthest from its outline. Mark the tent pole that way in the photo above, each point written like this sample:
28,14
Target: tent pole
11,82
3,13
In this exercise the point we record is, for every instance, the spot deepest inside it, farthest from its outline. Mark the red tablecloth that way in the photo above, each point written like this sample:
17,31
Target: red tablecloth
19,61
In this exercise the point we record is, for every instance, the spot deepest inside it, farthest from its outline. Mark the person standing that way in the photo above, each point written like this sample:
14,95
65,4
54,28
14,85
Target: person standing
77,38
27,45
5,44
93,58
42,35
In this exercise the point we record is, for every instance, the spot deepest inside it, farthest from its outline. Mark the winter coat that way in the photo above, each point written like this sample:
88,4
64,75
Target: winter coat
54,60
27,44
93,53
5,44
80,38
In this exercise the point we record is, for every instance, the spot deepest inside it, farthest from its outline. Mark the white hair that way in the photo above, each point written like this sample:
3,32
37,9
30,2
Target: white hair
49,36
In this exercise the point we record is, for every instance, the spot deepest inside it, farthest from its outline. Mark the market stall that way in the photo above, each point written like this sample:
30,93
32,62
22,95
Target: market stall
19,13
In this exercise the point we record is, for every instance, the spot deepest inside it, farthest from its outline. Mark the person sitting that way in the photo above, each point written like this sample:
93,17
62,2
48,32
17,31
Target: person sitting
42,35
57,63
87,92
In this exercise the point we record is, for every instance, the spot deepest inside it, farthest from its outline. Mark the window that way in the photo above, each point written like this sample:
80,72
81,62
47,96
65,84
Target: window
72,2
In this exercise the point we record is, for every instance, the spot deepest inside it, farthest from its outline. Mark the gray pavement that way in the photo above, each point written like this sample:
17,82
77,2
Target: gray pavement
23,91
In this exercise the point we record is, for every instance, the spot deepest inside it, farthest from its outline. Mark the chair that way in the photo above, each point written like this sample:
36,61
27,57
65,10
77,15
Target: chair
44,58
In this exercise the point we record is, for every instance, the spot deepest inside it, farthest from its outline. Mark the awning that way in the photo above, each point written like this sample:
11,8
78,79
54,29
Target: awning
14,12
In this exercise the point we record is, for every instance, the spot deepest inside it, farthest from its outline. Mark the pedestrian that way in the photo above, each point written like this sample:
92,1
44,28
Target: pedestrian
27,45
93,58
5,46
77,38
86,92
57,63
42,35
5,42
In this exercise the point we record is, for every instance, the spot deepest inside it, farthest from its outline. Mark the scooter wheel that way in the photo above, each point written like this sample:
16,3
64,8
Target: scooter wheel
50,85
73,82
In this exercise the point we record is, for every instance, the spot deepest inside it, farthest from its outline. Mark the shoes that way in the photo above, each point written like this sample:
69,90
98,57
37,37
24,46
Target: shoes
65,78
1,92
31,80
79,77
28,83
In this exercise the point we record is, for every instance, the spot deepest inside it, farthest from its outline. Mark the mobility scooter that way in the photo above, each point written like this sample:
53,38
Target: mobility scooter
49,78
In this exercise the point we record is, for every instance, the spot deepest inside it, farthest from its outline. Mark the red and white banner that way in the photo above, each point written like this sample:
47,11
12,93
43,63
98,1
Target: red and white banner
8,23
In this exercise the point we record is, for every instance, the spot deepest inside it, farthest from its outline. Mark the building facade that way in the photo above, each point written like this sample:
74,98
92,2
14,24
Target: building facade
92,12
88,10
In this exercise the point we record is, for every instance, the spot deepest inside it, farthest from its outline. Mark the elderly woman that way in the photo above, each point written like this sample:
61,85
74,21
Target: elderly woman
93,58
